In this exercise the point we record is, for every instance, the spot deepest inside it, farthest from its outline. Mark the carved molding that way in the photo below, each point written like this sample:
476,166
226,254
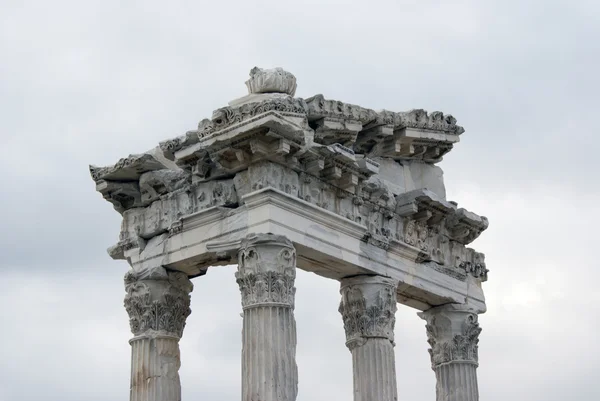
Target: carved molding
227,116
453,335
418,218
464,226
319,107
157,302
267,289
170,146
368,308
266,271
324,146
419,118
126,169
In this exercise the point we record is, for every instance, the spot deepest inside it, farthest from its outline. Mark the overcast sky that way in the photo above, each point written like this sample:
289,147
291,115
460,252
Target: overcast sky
91,81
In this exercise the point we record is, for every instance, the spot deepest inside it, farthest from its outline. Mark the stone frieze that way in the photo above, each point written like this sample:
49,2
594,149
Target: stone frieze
317,150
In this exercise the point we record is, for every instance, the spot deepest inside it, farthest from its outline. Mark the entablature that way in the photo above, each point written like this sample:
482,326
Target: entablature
315,154
327,244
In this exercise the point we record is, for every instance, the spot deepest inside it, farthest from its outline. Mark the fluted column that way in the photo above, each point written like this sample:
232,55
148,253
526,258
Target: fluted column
368,307
266,274
453,334
158,303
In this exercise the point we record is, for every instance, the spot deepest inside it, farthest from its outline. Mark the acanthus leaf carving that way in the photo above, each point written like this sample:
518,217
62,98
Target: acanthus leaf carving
266,288
453,336
266,271
157,303
368,308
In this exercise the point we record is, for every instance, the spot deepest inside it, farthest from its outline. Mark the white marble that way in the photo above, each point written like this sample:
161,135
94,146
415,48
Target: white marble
275,80
158,304
368,310
331,246
347,190
266,274
453,334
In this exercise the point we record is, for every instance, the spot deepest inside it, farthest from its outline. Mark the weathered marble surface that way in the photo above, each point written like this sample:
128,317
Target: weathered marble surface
275,80
453,334
368,308
373,168
330,187
266,274
158,304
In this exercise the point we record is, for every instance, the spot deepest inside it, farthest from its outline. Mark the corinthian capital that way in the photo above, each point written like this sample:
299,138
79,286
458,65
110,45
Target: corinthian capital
158,302
368,308
266,271
275,80
453,334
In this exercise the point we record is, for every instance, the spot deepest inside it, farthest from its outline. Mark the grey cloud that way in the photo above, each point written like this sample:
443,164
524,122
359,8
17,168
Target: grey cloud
90,82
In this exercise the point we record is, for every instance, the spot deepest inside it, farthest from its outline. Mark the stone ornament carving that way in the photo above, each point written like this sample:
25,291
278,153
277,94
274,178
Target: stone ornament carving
416,234
128,168
275,80
368,309
359,192
266,271
158,302
319,107
419,118
227,116
476,269
325,146
453,334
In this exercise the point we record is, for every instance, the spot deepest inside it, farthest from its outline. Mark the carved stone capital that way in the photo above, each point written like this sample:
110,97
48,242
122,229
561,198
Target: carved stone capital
368,308
266,271
158,302
275,80
453,334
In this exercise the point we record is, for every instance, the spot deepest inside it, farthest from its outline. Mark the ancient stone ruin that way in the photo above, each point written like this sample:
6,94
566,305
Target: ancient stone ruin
273,183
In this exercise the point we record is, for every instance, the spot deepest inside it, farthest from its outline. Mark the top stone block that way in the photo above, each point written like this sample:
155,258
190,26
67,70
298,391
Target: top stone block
275,80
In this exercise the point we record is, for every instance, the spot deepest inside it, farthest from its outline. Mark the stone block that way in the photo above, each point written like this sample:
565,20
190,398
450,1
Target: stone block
266,174
424,175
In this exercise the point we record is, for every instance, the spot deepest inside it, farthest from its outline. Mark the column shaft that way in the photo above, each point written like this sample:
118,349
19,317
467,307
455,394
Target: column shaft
374,369
368,307
456,382
268,355
266,275
155,369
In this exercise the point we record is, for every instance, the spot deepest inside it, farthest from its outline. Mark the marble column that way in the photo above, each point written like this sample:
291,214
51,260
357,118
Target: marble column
368,307
453,334
158,303
266,274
